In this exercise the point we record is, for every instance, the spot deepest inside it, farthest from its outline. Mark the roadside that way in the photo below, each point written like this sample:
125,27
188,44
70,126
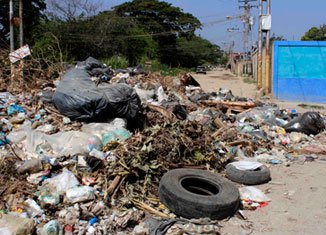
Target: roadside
297,191
224,79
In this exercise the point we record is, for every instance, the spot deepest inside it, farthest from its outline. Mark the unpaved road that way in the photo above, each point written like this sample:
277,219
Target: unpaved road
298,192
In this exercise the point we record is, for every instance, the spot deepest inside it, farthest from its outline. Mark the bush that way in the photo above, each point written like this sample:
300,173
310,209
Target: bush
164,69
116,62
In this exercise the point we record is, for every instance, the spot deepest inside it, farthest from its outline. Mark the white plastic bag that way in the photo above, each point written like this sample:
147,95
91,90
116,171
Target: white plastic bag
99,129
62,182
80,194
253,194
246,165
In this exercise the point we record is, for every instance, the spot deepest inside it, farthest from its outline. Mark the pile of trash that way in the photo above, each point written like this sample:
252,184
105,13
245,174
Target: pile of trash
86,154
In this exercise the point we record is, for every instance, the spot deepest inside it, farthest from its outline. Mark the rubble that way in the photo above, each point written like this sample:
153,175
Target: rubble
64,175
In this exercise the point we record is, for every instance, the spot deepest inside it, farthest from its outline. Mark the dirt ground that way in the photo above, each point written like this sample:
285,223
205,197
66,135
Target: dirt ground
297,191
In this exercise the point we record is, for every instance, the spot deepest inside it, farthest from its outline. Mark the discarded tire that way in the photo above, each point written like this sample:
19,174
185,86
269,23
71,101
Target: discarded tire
198,194
248,177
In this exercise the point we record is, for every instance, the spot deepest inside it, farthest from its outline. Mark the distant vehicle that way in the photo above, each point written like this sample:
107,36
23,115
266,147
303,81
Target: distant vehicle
201,69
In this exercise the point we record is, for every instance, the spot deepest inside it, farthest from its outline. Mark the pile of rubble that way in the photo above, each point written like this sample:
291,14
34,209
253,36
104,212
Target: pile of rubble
85,155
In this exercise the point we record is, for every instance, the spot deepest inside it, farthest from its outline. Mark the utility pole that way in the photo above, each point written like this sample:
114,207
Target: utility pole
11,27
268,58
21,35
21,31
232,44
248,22
247,19
260,48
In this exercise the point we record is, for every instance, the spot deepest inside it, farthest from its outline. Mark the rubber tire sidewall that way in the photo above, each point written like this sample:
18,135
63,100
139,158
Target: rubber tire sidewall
263,175
190,205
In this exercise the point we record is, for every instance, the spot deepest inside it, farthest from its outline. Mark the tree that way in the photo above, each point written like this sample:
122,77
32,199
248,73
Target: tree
101,36
195,50
73,10
33,12
315,34
163,21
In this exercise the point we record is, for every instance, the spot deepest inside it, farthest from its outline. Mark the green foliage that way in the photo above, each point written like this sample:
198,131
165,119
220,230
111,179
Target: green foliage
164,22
315,34
116,62
101,36
223,60
139,29
163,69
195,51
48,47
32,13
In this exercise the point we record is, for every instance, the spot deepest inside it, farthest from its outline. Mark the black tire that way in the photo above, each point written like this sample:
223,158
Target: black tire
198,194
248,177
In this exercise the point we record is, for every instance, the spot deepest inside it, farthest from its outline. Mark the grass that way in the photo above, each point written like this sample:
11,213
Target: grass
165,70
249,81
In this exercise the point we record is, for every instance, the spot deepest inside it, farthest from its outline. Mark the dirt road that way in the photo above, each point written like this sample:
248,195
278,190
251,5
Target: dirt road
215,80
298,205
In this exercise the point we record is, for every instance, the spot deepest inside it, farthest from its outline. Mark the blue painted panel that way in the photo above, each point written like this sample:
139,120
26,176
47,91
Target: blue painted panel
300,71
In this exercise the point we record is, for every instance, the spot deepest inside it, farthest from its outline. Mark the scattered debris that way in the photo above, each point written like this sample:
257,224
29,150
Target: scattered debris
63,175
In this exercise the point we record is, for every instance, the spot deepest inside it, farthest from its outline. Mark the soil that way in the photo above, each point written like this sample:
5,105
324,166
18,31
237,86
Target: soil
297,191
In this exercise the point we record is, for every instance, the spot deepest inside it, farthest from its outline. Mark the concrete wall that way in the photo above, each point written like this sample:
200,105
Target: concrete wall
299,71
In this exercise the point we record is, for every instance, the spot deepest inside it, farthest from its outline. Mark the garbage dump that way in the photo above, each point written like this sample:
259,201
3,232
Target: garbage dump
71,164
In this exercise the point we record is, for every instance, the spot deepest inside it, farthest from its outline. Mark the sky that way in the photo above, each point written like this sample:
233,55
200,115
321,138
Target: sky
290,18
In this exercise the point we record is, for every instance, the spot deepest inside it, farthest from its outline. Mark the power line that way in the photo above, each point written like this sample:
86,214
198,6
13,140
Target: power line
247,20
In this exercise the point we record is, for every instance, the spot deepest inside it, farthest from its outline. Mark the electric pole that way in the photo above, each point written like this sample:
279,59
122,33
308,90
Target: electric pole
232,44
11,26
260,48
247,20
21,31
268,58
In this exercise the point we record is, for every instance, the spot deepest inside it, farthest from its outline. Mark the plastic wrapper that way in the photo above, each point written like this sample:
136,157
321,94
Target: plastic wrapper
33,208
80,194
309,123
62,182
116,135
99,129
52,228
253,194
246,165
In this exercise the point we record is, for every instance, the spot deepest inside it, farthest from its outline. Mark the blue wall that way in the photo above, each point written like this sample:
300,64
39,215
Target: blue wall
300,71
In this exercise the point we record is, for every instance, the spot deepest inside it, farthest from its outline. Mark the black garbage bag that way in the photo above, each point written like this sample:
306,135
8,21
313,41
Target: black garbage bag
123,101
79,98
309,123
91,63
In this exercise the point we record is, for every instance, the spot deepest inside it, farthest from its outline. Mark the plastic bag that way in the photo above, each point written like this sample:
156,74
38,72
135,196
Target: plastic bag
115,135
77,96
72,143
62,182
309,123
33,208
52,228
246,165
80,194
90,63
123,101
251,193
15,108
99,129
